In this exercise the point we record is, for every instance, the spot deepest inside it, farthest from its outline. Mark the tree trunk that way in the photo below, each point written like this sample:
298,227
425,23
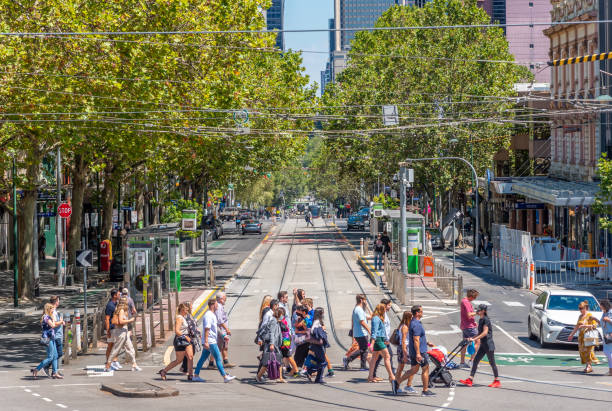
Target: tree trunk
140,207
108,201
27,208
80,172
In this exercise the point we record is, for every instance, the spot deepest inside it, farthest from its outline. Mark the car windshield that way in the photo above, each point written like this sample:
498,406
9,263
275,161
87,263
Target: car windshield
253,222
570,302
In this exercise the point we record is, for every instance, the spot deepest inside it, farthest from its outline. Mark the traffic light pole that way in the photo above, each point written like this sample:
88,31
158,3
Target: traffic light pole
16,240
477,217
403,234
58,220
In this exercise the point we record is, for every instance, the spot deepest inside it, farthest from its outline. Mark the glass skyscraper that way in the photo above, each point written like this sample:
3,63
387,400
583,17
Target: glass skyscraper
275,19
360,14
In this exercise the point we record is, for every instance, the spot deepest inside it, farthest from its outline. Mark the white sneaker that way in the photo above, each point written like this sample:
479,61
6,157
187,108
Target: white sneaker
113,367
228,378
116,365
136,368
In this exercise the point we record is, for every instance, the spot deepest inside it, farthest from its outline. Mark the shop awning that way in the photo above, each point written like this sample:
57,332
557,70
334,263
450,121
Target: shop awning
557,192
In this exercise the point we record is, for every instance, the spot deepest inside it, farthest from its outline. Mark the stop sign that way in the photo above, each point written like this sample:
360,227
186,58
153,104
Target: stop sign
64,210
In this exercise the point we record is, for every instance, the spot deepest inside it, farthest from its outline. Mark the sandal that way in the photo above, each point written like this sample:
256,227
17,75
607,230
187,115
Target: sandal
57,376
34,372
162,373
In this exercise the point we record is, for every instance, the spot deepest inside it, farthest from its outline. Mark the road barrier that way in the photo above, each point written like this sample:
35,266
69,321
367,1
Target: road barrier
512,255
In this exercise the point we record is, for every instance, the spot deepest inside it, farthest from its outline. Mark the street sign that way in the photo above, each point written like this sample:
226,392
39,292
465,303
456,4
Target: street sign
64,210
84,258
241,117
230,186
390,116
86,220
602,262
47,214
529,206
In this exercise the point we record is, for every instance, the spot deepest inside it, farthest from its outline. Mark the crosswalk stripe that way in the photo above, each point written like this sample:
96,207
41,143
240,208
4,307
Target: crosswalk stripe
514,304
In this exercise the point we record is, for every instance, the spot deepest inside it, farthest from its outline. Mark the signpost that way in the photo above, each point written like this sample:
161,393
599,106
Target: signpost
64,210
602,262
84,258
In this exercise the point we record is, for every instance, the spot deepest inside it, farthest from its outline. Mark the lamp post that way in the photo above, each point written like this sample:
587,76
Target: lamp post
16,239
476,228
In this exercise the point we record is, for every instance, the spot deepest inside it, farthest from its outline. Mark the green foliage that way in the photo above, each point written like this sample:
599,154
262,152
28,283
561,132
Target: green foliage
188,234
439,97
603,201
174,211
387,202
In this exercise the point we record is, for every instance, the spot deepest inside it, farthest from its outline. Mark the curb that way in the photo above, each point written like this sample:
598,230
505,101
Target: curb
10,317
146,390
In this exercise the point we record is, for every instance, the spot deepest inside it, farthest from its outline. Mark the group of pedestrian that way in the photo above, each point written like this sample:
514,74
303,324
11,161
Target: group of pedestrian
382,247
586,323
292,341
52,337
120,311
213,341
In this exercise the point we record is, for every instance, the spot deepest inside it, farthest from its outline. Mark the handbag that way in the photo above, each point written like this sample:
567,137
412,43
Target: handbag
44,340
395,337
273,367
180,342
591,338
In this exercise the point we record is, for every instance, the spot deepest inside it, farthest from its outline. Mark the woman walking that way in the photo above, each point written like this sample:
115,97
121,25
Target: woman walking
487,346
182,344
194,334
286,346
379,341
48,338
122,340
271,340
586,322
606,325
318,346
403,358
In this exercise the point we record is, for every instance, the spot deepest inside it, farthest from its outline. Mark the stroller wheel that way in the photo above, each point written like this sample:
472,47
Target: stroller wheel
453,384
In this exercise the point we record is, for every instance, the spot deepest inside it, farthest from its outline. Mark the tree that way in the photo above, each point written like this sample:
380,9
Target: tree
603,201
450,101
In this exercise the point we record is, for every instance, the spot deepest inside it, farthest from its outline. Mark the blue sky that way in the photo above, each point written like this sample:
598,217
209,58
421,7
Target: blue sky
309,14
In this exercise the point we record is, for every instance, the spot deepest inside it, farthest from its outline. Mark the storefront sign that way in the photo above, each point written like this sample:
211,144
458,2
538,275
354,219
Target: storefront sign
189,221
529,206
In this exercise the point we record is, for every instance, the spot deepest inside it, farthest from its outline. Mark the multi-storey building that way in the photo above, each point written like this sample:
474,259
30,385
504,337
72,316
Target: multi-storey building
275,20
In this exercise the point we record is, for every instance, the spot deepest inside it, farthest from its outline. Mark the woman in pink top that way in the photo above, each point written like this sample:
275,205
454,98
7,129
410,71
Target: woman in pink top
468,324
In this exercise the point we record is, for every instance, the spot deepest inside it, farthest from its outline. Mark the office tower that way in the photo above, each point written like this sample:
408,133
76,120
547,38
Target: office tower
275,21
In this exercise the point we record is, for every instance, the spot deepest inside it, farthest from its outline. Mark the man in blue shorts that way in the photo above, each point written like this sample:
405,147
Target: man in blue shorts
417,348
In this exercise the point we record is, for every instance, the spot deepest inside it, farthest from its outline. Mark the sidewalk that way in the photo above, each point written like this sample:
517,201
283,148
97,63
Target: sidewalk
467,255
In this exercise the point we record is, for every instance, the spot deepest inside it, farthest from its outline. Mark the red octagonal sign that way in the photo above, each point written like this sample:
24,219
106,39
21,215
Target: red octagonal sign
64,210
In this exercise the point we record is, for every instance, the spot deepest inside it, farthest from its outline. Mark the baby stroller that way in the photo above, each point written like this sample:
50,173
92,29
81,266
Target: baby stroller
441,374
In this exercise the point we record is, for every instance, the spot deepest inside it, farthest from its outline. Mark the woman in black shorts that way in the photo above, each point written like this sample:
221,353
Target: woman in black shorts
487,346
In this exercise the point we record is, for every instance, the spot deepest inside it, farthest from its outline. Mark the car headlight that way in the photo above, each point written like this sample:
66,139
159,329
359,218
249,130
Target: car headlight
553,323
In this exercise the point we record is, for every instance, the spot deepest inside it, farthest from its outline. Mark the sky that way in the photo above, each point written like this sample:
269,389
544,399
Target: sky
309,14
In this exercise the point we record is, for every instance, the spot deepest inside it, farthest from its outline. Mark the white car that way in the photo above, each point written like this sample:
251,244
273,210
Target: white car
555,313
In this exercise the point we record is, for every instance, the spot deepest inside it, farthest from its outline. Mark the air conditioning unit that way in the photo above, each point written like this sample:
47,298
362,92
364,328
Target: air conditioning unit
378,213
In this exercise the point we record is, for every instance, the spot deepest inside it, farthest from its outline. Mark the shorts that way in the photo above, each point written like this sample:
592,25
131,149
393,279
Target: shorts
423,364
285,352
221,341
470,332
379,344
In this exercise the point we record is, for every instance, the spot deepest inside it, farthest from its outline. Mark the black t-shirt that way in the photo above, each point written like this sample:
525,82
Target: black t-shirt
386,241
486,342
110,310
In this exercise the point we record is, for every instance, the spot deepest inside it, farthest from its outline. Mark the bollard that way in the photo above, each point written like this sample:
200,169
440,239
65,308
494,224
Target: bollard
144,330
211,270
77,321
152,322
67,349
162,330
361,247
95,329
73,340
460,287
531,276
170,310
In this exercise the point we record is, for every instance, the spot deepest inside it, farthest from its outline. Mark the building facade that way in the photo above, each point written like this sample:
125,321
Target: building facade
275,20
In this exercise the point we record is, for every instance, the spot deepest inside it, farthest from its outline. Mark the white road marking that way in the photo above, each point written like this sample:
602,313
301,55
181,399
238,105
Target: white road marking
47,399
35,394
478,302
454,330
514,304
523,346
27,390
61,405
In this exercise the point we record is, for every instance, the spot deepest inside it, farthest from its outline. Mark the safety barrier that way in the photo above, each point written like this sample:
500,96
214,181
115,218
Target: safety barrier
449,284
512,256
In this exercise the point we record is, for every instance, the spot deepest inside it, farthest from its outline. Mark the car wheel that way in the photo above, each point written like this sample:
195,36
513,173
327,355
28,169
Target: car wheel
543,343
529,332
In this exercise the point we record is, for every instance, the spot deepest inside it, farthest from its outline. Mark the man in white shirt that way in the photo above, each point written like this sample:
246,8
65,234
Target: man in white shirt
209,343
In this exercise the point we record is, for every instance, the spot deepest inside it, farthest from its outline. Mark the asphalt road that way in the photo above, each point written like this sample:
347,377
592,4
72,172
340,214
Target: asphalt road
294,256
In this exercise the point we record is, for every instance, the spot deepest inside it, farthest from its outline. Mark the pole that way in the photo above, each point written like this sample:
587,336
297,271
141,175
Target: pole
85,333
16,241
454,240
403,235
58,220
99,218
35,267
476,233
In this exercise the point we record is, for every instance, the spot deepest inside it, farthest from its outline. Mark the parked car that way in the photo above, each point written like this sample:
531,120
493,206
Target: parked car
364,213
436,238
355,222
555,313
251,226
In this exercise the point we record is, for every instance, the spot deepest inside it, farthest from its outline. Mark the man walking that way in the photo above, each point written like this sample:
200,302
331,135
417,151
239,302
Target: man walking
360,333
482,244
59,333
109,311
209,343
417,348
223,336
468,326
386,243
379,248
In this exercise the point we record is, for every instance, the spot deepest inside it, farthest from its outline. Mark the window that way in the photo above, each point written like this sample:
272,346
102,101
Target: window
531,46
531,4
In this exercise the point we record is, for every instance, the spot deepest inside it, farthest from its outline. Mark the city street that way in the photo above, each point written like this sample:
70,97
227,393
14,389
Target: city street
319,260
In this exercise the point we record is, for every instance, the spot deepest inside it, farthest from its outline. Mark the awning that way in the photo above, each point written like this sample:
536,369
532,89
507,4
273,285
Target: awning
557,192
502,187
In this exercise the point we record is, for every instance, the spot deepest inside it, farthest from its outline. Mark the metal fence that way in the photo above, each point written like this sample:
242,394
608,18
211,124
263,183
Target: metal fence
566,273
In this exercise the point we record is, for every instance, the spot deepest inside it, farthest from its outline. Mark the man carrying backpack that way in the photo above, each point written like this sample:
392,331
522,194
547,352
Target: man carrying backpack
379,248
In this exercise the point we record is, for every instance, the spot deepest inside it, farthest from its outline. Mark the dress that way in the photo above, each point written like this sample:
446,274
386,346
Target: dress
587,354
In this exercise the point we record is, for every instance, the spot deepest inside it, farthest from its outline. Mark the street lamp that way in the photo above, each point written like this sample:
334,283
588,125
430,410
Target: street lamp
15,237
456,216
403,239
